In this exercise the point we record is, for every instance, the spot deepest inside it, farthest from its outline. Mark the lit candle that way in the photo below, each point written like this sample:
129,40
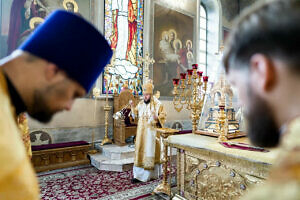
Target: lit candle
182,75
190,72
195,66
199,73
175,81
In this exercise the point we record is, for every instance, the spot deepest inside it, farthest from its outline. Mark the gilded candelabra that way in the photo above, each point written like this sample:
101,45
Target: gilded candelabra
191,93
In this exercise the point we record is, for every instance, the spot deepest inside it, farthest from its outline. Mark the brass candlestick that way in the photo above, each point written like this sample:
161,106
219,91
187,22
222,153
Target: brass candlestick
191,93
107,109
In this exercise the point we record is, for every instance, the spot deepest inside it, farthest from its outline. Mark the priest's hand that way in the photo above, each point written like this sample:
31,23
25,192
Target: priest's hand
130,103
155,117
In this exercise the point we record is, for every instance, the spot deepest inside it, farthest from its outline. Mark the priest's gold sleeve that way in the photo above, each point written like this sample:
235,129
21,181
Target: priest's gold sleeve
162,115
17,177
134,111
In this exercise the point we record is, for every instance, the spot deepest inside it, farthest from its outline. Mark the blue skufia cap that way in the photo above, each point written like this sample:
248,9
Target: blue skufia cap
73,44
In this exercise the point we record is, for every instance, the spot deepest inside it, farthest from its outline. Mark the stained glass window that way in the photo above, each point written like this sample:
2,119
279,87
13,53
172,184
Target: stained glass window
124,31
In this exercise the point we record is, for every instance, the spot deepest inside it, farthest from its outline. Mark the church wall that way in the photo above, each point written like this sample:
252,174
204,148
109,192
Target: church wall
85,117
84,111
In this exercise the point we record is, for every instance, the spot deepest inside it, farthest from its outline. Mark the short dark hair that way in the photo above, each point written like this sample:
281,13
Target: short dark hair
269,27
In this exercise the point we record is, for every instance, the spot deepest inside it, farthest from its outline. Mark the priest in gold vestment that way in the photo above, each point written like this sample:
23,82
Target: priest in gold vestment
284,179
17,178
151,115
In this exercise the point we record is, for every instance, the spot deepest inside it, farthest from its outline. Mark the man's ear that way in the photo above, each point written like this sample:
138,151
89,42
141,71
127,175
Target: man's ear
263,73
51,71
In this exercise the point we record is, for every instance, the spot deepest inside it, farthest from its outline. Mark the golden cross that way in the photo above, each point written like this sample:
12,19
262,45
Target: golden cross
147,60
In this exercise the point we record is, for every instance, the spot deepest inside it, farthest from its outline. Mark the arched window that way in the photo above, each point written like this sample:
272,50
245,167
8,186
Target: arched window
203,38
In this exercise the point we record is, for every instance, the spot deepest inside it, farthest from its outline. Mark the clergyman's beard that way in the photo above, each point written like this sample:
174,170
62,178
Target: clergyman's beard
40,110
147,101
262,129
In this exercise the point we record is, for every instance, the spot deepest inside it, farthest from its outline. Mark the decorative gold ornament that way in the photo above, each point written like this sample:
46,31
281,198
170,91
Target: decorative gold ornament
222,125
68,2
147,60
35,21
191,93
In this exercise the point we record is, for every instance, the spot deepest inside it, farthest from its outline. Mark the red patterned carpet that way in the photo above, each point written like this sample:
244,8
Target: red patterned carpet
86,182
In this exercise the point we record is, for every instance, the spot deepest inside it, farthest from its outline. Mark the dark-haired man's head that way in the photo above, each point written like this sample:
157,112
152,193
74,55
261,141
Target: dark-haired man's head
48,79
48,91
262,59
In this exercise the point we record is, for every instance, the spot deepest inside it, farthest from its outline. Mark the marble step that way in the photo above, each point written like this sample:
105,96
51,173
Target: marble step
102,162
115,152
